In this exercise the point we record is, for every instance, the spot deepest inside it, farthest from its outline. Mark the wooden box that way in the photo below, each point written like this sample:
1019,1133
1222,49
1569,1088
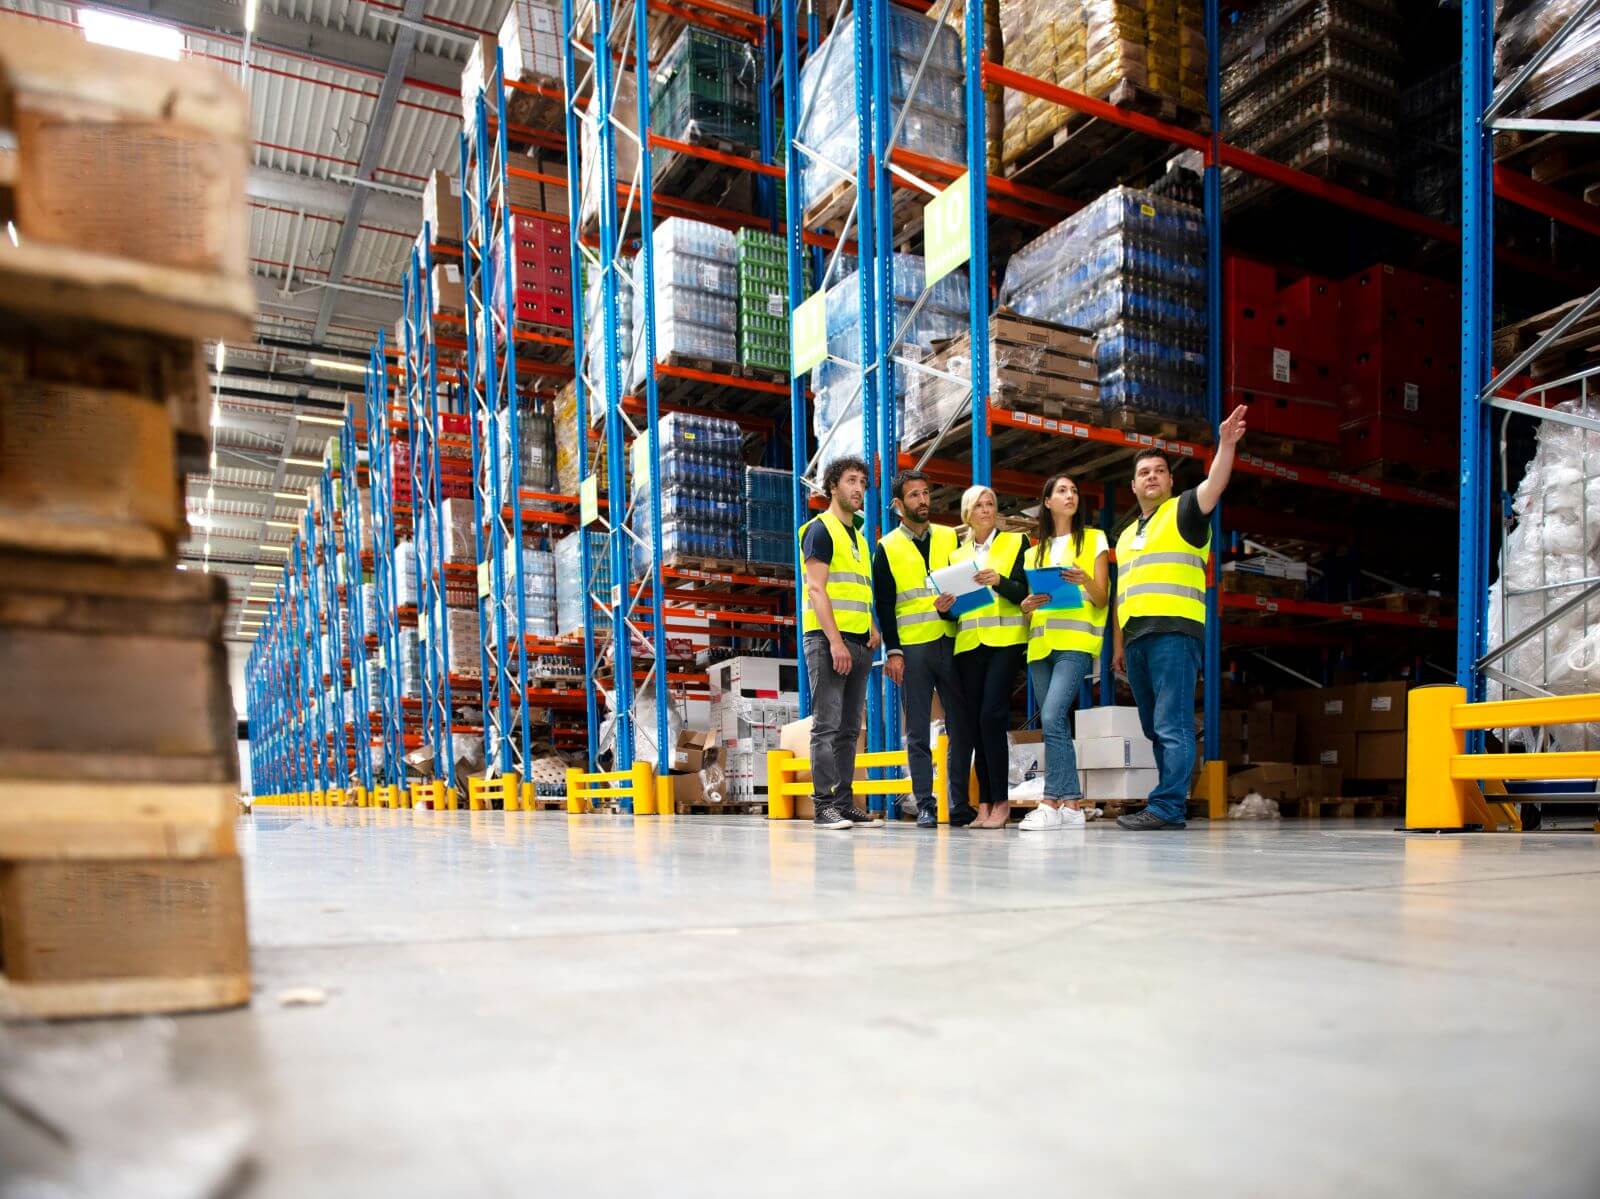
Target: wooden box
113,673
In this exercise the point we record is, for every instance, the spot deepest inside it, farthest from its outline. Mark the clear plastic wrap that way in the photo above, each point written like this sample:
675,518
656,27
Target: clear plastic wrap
701,480
465,650
704,90
570,585
1572,70
696,289
405,574
457,524
1556,539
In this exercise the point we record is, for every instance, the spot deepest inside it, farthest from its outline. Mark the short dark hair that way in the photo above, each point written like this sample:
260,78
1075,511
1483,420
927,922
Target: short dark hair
1143,454
836,471
904,479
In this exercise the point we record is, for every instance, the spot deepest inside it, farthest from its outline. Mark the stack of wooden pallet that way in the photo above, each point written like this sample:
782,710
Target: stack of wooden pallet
120,884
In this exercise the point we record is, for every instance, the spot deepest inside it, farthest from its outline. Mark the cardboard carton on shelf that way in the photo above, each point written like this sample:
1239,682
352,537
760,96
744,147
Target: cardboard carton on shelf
696,749
1108,722
1115,753
1380,756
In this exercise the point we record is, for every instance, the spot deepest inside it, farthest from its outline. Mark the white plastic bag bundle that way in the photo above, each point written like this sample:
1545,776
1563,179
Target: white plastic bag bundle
1556,541
1254,807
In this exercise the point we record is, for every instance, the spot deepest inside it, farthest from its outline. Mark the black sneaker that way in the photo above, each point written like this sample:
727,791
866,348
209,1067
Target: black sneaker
857,817
927,814
831,818
1146,821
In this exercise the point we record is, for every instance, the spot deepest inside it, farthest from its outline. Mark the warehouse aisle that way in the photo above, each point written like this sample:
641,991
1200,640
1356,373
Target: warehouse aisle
608,1007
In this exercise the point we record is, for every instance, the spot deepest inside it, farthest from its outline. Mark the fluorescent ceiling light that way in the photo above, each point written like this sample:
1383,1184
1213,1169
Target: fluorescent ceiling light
277,549
291,495
200,520
222,356
250,599
338,364
126,33
250,16
317,462
267,566
282,524
318,420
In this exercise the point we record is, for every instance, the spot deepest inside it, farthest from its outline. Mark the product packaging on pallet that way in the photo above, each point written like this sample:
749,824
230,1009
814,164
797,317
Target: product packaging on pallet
1255,735
763,301
1130,268
701,473
541,273
629,348
405,574
769,524
1312,85
625,112
449,290
459,527
705,92
695,272
1098,47
441,207
538,572
837,388
572,445
536,461
530,46
1033,365
570,583
935,121
1568,75
1361,729
465,649
752,699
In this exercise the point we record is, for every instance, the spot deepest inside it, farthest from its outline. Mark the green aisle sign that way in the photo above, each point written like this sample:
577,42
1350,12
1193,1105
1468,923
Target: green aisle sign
589,500
810,333
947,229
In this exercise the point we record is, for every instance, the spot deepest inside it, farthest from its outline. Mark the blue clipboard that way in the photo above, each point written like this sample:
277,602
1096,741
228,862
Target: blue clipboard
1048,581
971,600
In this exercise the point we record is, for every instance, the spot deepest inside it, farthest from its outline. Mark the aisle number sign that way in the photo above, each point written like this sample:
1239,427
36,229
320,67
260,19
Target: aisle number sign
947,228
810,332
589,500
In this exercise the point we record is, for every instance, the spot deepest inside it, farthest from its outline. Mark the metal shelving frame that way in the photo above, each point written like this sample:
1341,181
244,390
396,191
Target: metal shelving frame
381,481
313,735
350,451
326,526
1483,390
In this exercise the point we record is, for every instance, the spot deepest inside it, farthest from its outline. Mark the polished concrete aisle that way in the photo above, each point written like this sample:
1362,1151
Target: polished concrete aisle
527,1005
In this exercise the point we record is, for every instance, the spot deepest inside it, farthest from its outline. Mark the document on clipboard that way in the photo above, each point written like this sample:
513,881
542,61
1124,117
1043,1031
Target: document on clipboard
1048,581
961,580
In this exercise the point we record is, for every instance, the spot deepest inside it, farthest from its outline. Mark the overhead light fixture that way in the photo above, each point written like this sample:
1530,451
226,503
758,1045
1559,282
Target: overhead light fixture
267,566
298,496
250,599
303,461
126,33
222,356
249,17
199,520
338,364
276,549
11,232
281,524
182,566
318,420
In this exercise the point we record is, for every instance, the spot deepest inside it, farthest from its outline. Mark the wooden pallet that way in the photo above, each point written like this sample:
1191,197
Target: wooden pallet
1340,807
1087,154
730,807
533,111
701,181
1295,449
732,398
833,207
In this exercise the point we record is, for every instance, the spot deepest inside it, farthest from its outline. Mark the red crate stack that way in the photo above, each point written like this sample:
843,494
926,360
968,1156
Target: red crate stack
1283,351
541,272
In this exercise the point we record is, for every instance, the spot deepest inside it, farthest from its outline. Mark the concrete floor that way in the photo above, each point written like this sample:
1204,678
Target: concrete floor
702,1006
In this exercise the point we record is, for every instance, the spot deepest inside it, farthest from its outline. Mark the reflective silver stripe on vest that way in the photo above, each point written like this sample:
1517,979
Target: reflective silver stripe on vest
844,605
846,576
917,593
1064,625
906,618
993,622
1167,558
1190,593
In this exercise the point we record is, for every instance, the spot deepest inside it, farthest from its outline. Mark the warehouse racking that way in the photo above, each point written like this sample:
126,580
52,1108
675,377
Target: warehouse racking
501,360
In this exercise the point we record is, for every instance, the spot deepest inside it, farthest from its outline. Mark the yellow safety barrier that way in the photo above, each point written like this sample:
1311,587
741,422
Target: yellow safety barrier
638,784
358,796
434,794
789,779
387,796
1446,787
483,792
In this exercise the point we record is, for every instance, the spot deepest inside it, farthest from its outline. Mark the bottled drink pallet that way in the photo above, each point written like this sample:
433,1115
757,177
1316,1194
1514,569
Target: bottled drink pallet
1087,155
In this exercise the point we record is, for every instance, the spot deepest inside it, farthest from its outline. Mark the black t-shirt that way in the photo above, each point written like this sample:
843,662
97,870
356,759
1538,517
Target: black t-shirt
817,546
1194,526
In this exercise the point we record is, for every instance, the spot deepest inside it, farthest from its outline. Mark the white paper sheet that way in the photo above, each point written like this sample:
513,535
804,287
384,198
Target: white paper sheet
959,579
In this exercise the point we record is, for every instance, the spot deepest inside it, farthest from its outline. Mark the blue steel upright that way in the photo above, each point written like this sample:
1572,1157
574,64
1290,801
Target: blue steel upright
798,290
646,292
381,481
350,496
869,16
1477,295
580,381
978,267
1212,184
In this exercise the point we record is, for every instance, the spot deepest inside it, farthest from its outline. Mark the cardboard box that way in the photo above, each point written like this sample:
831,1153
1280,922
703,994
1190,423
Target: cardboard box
1318,782
1270,780
441,207
796,738
1380,756
695,750
1108,722
449,290
1115,753
1337,750
1119,784
1378,707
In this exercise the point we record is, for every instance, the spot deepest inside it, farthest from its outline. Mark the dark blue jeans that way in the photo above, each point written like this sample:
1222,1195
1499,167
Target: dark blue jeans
1056,682
1162,669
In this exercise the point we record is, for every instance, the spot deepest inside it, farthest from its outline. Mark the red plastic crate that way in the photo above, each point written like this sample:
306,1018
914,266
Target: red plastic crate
1274,370
1410,379
1384,299
1284,416
1387,439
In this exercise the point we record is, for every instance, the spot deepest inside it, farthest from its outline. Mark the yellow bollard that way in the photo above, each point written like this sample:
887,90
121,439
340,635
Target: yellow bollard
530,793
780,764
1434,800
941,777
643,787
577,802
1213,789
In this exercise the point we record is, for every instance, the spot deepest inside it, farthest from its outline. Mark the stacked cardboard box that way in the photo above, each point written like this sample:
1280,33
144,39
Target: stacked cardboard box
120,885
572,446
1254,735
1115,760
1361,729
752,699
1033,365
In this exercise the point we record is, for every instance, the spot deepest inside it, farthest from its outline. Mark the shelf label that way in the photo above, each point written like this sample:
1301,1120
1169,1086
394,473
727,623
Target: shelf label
947,229
1280,365
810,332
589,500
483,579
1413,397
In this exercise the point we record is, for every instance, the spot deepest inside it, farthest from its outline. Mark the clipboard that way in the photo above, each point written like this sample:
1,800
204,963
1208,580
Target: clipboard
1048,581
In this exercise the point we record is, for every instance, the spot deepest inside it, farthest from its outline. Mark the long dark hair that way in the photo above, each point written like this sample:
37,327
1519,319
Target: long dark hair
1047,522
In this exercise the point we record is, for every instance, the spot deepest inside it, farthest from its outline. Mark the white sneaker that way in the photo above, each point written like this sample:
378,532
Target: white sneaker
1071,818
1041,819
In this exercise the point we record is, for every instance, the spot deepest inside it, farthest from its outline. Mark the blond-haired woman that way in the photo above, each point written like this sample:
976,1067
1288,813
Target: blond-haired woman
991,645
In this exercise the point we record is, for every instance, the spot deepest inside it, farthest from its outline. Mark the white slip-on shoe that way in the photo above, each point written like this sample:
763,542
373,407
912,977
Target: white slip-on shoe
1071,818
1041,819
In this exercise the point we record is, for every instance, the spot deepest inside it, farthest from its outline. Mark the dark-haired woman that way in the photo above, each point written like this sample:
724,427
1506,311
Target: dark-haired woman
1064,643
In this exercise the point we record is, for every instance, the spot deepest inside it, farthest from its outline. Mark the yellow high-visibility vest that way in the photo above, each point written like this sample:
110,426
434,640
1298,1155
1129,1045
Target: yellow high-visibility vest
1158,572
849,580
914,613
999,622
1082,628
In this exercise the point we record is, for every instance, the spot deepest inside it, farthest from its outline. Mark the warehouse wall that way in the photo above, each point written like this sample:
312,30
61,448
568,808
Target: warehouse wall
238,653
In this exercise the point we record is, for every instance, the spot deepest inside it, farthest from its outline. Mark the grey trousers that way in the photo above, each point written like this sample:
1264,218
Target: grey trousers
931,666
837,701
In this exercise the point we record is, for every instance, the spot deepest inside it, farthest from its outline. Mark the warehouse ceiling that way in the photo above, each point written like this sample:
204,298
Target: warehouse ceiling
340,91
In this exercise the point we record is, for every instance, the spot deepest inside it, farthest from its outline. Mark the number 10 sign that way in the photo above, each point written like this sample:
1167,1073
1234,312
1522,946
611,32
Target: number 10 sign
947,229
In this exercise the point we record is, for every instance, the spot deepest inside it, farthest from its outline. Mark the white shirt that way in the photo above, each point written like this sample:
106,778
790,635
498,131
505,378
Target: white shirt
980,550
1060,550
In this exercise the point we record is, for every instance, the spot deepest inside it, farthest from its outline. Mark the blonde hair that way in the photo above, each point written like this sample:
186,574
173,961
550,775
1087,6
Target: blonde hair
970,498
